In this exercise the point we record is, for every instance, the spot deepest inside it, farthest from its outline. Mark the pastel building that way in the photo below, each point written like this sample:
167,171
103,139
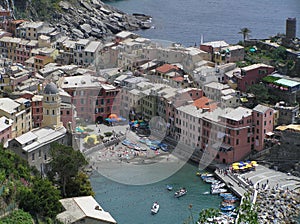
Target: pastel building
227,134
5,129
251,75
263,119
94,100
20,112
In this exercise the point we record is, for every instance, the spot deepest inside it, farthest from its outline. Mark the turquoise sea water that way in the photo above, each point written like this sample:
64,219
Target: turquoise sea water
185,21
131,204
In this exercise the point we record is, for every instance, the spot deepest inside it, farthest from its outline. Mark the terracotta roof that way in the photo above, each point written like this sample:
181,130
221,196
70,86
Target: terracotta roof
178,79
166,68
205,103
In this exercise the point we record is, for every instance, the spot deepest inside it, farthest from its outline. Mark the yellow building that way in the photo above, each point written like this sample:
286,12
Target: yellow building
20,112
51,107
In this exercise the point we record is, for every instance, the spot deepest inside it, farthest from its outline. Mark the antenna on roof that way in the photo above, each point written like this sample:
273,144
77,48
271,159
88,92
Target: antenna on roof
201,39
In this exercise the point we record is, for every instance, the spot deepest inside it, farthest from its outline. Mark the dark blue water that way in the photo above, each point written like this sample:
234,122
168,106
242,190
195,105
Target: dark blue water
131,204
185,21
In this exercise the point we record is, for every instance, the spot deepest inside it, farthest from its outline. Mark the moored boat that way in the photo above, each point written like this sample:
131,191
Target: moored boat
215,186
218,190
154,208
180,192
228,208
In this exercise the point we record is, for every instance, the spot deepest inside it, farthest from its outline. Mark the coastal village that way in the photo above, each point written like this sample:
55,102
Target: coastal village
53,85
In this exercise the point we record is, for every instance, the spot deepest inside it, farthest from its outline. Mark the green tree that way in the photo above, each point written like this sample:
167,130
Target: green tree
260,91
245,32
42,198
18,216
65,165
79,186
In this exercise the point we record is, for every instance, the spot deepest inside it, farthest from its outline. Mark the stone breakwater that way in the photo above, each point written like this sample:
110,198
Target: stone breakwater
95,19
278,206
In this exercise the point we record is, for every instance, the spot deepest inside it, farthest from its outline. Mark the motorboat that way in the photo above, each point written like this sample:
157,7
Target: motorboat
206,175
154,208
224,195
211,180
180,192
224,204
215,186
227,208
218,191
169,188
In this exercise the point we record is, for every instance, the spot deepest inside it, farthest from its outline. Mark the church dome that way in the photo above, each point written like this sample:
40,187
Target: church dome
51,88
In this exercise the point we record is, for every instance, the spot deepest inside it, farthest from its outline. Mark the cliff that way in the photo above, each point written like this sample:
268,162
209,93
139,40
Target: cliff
77,18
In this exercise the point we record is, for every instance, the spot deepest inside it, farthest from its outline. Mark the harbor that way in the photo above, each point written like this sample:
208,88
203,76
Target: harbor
275,193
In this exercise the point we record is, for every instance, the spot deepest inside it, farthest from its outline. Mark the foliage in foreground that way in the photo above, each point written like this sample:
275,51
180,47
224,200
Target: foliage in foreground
65,168
17,217
41,198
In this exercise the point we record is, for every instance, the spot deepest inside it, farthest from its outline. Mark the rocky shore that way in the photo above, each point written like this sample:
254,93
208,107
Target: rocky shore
278,206
95,19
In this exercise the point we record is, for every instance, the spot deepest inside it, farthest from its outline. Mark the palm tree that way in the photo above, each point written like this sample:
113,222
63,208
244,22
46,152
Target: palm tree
245,32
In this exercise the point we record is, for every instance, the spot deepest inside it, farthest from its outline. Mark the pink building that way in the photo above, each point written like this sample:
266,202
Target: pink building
5,129
263,120
251,75
37,110
230,135
226,134
93,99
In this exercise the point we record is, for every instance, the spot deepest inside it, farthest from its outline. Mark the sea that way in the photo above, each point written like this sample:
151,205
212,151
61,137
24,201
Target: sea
131,204
187,22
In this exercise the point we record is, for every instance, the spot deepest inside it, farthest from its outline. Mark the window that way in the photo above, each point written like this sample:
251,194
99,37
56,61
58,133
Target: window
237,141
40,153
237,132
248,139
68,112
32,156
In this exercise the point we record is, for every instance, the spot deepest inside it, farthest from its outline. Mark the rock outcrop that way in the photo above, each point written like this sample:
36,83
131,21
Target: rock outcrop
83,19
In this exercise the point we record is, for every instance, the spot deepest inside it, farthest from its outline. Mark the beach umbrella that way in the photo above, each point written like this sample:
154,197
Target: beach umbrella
113,116
108,119
248,165
235,164
235,167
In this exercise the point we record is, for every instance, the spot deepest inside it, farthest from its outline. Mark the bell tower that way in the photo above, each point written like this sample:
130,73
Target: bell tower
51,107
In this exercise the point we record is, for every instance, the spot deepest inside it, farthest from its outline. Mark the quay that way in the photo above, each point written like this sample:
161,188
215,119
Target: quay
276,194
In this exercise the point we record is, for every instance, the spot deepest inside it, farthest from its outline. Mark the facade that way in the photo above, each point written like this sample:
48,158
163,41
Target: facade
5,129
227,134
34,146
37,110
84,210
229,54
20,113
263,119
251,75
287,114
92,99
214,90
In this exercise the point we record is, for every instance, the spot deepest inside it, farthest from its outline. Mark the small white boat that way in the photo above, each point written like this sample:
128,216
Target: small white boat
154,208
180,193
218,190
169,188
215,186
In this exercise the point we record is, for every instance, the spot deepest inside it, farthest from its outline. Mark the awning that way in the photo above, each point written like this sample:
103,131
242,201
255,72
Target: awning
269,133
